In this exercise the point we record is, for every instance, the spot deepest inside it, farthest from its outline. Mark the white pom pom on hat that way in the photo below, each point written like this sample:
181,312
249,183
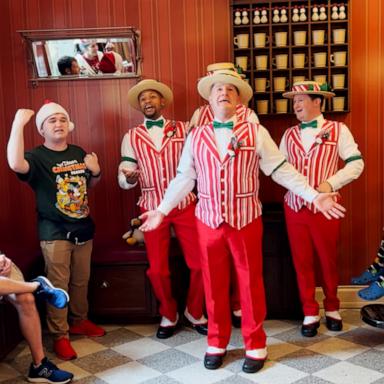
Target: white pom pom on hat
48,109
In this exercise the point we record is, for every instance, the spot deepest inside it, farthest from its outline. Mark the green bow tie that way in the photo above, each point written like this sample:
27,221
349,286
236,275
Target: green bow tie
311,124
228,125
151,123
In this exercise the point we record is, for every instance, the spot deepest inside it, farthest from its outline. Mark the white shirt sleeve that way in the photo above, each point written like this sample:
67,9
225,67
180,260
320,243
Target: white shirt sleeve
273,162
183,183
349,152
128,160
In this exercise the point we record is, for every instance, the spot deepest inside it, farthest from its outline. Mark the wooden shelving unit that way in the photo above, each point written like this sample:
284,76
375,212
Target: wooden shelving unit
331,51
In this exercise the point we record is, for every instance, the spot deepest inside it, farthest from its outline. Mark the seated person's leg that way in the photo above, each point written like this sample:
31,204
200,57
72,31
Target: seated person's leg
24,303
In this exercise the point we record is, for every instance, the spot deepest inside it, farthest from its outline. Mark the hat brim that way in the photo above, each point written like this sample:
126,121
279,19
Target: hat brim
205,85
149,85
326,94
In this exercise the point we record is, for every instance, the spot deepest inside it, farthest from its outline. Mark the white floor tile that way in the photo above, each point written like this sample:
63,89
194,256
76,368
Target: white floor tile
140,348
132,373
344,372
195,348
275,373
273,327
197,374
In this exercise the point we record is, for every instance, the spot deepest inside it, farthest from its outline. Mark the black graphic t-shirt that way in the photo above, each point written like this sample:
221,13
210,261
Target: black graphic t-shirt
59,180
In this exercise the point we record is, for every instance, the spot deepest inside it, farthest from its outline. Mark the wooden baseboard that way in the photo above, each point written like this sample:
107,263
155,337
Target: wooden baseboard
348,297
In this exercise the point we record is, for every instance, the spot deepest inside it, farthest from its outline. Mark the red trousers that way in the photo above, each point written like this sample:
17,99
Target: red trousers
157,245
220,248
311,233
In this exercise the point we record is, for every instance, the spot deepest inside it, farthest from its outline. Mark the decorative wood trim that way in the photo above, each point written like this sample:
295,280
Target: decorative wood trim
348,297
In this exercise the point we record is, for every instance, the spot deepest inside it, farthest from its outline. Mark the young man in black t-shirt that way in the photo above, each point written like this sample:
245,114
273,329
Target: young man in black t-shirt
60,173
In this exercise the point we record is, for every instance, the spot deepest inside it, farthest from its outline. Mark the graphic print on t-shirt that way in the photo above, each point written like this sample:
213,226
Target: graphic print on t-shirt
72,198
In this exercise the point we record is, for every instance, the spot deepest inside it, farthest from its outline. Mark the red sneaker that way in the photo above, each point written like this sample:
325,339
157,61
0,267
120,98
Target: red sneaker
87,328
63,349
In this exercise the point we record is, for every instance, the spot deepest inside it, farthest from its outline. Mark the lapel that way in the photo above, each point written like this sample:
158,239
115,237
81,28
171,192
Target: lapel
142,133
167,125
208,136
296,137
327,126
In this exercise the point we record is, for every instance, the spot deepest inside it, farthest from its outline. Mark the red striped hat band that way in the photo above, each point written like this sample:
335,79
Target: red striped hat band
306,87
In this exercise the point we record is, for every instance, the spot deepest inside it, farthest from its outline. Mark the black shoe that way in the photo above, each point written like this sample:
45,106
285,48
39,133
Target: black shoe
236,321
165,332
252,365
310,330
199,328
332,324
213,361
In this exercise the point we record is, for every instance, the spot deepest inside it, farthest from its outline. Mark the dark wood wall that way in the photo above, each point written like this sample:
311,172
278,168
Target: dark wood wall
179,38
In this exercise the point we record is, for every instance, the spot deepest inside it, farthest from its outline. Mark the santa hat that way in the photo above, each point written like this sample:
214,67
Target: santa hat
48,109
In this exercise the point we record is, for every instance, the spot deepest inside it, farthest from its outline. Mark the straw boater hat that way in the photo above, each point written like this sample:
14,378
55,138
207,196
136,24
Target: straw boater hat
309,88
149,85
220,66
48,109
225,76
211,68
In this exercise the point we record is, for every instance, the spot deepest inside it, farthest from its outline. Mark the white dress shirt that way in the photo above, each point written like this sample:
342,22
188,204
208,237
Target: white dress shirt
347,148
195,117
271,162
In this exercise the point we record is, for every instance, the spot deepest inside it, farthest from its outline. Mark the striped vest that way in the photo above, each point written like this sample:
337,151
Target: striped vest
206,114
318,164
227,190
158,168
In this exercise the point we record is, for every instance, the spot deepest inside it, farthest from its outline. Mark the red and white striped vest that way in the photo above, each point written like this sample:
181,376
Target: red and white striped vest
318,164
206,114
228,190
158,168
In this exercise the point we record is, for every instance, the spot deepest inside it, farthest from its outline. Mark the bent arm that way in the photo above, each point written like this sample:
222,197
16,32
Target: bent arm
15,148
354,164
128,164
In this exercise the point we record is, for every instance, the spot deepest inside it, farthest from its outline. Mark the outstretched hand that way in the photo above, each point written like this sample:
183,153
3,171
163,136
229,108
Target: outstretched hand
151,220
327,204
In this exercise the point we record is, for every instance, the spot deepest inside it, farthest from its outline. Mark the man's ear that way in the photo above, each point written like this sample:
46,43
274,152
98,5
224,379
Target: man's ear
162,102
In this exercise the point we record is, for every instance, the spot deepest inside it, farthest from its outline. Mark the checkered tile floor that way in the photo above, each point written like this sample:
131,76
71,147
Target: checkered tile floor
132,354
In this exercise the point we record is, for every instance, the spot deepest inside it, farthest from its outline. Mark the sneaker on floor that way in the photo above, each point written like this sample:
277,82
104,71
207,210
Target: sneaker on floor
55,296
47,372
374,291
86,328
369,275
63,349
